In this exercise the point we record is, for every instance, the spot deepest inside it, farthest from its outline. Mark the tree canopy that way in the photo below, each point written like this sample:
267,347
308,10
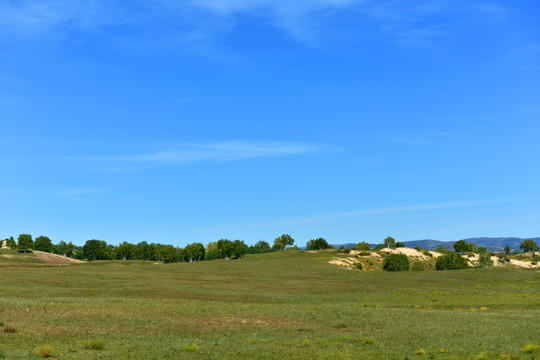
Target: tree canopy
280,243
451,261
528,246
318,244
390,242
97,250
24,242
43,243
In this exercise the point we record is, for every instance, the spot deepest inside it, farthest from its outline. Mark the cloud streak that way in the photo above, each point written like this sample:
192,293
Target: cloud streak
364,212
76,191
201,21
226,151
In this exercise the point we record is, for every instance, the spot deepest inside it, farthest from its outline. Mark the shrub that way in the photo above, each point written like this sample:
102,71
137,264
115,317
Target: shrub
418,266
94,345
451,261
362,246
8,329
44,351
358,265
427,253
396,262
191,347
484,260
418,248
529,348
364,253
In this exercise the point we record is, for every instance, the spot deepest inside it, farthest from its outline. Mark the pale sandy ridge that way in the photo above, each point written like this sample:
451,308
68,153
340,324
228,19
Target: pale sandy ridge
56,259
349,262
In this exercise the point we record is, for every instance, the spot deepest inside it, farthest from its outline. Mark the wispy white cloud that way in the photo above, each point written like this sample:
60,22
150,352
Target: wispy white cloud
200,21
431,138
365,212
219,151
77,191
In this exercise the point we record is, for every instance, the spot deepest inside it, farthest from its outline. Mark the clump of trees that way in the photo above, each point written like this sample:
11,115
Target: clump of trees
528,246
362,246
390,242
396,262
318,244
280,243
462,247
484,258
451,261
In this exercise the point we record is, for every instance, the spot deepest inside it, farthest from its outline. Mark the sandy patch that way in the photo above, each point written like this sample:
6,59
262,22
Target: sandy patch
347,263
56,259
4,245
7,255
412,252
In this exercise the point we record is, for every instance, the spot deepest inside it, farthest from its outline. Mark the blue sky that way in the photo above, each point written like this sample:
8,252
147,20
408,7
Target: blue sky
177,122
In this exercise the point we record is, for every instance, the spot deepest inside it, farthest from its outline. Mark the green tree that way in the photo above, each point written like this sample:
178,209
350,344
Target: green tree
528,246
166,253
400,244
24,242
194,252
11,242
280,243
507,250
390,242
97,250
451,261
461,246
225,248
471,247
318,244
362,246
260,247
484,259
396,262
239,249
124,251
43,243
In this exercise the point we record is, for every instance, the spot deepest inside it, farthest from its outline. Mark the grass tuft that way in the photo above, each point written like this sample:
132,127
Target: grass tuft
191,347
94,345
9,329
529,348
44,351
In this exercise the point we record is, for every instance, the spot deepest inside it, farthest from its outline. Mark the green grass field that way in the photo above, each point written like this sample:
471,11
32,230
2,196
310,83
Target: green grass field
288,305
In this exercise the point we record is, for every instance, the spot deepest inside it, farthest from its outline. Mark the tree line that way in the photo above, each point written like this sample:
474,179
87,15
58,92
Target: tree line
101,250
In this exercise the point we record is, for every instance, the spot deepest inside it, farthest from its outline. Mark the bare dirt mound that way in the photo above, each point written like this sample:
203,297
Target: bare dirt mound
56,259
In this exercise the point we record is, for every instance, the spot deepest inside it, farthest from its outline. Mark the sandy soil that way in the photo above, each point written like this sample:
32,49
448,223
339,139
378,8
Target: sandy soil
4,245
56,259
413,253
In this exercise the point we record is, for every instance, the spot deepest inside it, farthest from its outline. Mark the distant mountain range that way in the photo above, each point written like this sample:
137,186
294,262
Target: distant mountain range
490,243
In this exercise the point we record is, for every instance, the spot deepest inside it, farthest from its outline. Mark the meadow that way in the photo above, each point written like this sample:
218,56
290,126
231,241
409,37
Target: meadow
281,305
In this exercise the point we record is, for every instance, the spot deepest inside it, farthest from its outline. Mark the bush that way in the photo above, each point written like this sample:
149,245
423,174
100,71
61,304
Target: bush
358,265
94,345
427,253
418,266
362,246
396,262
418,248
44,351
364,253
484,260
451,261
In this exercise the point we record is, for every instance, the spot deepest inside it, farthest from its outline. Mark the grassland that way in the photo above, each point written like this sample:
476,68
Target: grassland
288,305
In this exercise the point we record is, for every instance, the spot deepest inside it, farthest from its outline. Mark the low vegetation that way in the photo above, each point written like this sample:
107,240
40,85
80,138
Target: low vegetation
288,304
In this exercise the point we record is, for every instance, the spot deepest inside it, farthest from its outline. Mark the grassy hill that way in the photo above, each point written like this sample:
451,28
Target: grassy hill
291,304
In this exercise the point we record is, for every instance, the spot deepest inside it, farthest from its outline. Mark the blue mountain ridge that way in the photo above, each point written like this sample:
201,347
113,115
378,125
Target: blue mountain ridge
490,243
